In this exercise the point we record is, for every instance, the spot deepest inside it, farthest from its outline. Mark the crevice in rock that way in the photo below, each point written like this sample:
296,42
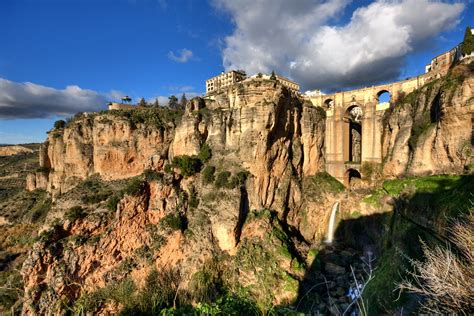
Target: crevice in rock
243,211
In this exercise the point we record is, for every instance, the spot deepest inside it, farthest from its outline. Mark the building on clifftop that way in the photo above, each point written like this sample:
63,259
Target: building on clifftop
224,80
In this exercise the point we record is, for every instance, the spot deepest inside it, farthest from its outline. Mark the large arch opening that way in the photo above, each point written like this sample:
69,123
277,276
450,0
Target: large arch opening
352,178
353,134
329,103
384,97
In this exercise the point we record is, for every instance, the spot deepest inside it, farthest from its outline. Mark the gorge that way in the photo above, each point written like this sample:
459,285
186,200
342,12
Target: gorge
226,206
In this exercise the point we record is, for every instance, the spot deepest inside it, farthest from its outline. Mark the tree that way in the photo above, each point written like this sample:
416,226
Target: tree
259,75
142,103
156,104
173,102
183,101
467,45
60,124
273,76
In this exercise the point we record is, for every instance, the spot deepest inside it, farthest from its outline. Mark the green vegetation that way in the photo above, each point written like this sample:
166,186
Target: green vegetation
142,103
222,179
448,194
134,186
467,45
173,222
162,295
205,153
112,202
273,76
424,207
152,175
193,198
188,165
150,116
208,174
226,180
75,213
321,183
60,124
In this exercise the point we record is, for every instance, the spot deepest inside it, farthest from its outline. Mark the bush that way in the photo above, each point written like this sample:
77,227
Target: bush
193,200
222,179
205,153
112,202
208,174
188,165
74,213
168,168
95,197
60,124
173,221
133,186
445,278
152,175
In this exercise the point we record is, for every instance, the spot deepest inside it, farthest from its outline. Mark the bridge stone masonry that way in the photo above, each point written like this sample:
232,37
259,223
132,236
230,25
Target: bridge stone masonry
354,124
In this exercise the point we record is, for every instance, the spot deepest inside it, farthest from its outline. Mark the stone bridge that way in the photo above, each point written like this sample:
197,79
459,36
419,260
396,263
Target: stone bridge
354,125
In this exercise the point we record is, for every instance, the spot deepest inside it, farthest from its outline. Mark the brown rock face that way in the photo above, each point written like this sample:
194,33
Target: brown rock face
430,131
106,144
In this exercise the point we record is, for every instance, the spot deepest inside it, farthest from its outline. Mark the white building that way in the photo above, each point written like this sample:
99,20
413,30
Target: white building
224,80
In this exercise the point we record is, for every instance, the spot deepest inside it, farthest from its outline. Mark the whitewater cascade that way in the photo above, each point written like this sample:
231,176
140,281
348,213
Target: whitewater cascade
332,220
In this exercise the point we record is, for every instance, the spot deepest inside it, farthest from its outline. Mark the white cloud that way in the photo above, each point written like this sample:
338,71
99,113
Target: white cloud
182,56
297,38
30,100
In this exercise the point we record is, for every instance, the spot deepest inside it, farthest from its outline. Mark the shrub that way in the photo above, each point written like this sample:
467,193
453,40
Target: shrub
152,175
193,200
168,168
60,124
173,221
208,174
445,277
133,186
74,213
206,285
95,197
112,202
205,153
222,179
188,165
242,176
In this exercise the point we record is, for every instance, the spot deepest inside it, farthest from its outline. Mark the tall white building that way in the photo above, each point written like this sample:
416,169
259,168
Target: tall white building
224,80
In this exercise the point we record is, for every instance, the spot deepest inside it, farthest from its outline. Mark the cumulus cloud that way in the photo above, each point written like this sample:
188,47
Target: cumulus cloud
182,56
29,100
299,38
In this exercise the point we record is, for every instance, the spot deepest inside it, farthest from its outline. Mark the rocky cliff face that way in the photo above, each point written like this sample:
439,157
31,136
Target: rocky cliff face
259,127
127,215
430,130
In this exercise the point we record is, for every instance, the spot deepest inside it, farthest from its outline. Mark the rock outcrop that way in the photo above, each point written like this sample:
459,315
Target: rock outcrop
255,234
430,130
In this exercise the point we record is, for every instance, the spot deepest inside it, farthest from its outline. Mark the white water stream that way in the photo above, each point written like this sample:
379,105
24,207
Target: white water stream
332,221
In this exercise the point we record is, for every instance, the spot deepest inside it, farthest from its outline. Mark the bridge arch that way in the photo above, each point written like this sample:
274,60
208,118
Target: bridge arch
384,96
352,140
351,176
329,103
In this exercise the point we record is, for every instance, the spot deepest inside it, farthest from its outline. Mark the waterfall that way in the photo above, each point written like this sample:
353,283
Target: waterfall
332,221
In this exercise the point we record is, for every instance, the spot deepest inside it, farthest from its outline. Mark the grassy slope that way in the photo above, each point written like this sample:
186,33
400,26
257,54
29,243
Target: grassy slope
431,199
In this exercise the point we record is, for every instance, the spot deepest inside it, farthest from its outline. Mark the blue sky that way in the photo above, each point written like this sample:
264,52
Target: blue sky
154,48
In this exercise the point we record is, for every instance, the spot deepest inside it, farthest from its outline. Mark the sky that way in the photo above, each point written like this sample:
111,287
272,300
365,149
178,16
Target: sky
59,57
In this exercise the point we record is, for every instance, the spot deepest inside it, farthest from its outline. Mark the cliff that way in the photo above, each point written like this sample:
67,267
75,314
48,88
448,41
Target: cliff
429,131
227,198
258,131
